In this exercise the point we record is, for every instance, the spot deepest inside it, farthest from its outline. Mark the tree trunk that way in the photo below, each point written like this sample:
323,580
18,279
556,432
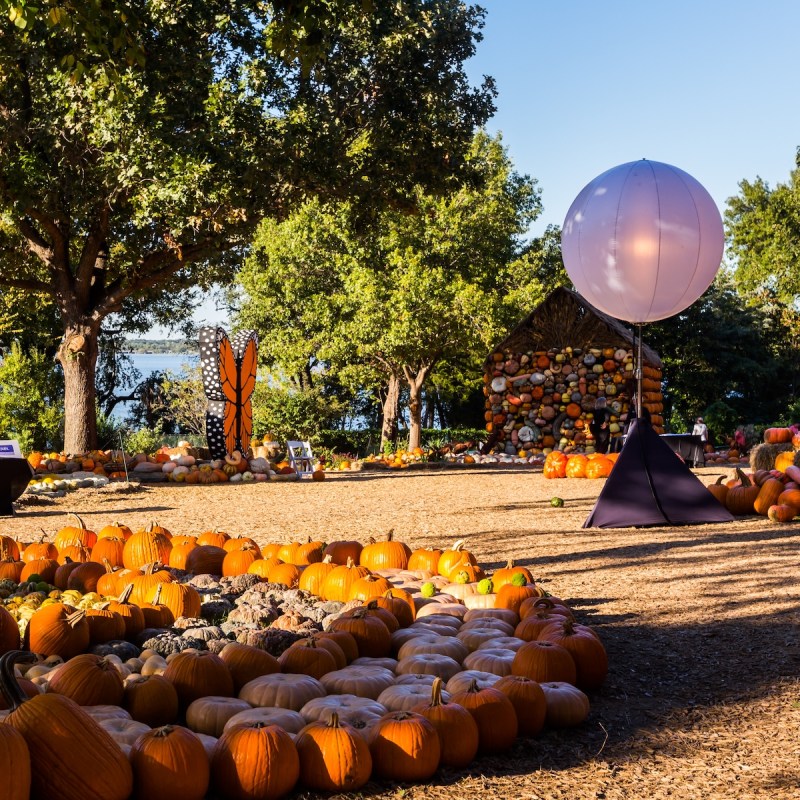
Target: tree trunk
430,409
415,384
391,411
77,354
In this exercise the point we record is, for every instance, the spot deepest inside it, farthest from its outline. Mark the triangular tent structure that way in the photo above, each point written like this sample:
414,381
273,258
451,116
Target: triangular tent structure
650,485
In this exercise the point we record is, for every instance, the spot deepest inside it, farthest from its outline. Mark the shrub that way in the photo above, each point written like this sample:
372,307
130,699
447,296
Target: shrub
31,400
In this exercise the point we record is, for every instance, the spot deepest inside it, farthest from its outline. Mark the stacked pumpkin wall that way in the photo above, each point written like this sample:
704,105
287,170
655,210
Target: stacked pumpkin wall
538,399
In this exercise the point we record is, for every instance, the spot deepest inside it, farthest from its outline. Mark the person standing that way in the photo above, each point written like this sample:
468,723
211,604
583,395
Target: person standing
700,429
600,426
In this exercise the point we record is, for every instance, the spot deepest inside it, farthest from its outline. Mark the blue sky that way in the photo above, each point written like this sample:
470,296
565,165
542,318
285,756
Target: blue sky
708,86
584,85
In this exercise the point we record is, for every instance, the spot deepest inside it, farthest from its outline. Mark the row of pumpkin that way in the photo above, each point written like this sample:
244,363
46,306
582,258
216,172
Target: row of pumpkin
507,671
578,465
769,493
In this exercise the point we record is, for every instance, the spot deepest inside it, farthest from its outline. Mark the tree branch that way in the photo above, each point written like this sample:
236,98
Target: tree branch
164,264
55,233
37,244
91,247
28,285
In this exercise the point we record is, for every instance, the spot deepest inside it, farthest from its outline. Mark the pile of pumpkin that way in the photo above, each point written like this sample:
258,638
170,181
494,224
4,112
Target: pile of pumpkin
771,493
538,400
177,464
400,459
405,679
577,465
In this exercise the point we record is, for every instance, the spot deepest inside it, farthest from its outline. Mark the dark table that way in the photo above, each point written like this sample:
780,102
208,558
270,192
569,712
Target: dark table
688,447
15,473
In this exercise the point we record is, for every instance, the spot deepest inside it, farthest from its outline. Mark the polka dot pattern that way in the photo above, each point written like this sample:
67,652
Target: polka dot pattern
228,372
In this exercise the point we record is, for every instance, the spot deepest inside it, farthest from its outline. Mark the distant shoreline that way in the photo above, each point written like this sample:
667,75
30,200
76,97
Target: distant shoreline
159,347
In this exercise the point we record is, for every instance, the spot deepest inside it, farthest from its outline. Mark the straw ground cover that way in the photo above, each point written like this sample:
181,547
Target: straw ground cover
702,624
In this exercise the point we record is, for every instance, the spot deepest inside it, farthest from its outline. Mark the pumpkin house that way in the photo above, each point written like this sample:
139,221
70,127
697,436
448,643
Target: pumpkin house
542,380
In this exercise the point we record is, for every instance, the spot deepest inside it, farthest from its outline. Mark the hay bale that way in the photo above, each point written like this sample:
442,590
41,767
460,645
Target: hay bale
762,456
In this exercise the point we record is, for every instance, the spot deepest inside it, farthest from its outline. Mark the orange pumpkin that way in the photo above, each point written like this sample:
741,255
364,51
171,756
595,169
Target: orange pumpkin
555,465
599,468
783,460
576,466
778,435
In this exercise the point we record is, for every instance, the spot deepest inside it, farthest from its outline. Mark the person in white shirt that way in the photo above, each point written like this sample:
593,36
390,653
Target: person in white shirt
700,429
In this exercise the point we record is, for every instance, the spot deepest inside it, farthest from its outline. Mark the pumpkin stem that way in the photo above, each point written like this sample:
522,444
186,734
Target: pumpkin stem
436,692
125,595
9,688
743,478
544,602
333,722
73,619
390,535
473,687
350,563
157,595
328,559
80,521
458,545
163,731
107,565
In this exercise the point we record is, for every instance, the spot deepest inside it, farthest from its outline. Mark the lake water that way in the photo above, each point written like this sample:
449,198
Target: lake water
147,364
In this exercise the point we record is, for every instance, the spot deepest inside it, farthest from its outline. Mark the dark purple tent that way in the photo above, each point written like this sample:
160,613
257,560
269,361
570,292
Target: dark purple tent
650,485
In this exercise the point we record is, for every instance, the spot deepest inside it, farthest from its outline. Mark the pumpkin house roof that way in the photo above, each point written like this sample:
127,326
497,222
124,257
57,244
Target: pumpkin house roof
565,319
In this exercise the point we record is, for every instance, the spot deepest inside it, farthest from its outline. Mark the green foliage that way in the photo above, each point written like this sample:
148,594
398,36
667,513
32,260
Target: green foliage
110,431
163,133
405,295
183,401
721,420
763,227
721,348
288,412
31,403
145,440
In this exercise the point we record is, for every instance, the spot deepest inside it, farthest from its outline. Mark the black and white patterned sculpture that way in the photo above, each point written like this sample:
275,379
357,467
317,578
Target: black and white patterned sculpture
229,377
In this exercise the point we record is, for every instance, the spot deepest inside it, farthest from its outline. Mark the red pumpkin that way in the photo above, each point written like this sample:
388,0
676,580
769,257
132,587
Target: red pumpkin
782,512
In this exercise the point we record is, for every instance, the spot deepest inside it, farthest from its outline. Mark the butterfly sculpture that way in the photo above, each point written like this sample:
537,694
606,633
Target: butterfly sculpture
229,377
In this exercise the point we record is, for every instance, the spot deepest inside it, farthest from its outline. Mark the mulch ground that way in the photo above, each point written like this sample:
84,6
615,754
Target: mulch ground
702,623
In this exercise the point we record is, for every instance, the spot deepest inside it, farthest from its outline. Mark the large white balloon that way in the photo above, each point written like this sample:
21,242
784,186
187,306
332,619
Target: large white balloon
642,241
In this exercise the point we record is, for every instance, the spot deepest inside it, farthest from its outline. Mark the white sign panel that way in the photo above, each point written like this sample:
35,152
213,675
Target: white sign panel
9,448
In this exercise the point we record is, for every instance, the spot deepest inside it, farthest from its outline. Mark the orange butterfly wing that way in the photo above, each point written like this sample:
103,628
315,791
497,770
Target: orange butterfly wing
248,368
238,379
